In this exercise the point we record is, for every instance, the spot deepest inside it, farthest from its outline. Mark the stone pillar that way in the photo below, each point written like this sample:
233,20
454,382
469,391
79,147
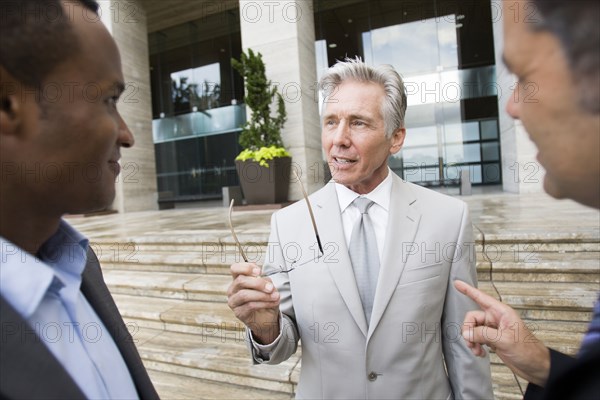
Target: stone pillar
136,186
521,173
284,33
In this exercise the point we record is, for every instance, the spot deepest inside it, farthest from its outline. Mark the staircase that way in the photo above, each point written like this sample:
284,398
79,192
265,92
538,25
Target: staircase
170,286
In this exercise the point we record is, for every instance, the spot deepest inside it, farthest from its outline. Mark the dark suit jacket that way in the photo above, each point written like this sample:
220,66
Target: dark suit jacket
570,378
28,370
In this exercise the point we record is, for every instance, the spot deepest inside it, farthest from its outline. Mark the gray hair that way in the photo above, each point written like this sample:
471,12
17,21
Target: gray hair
575,24
393,107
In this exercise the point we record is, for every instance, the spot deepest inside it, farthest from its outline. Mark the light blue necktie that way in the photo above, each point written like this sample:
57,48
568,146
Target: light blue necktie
364,255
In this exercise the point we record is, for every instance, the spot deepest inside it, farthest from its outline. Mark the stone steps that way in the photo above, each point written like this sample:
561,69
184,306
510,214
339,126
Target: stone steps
560,296
181,387
541,267
224,360
172,295
196,317
530,246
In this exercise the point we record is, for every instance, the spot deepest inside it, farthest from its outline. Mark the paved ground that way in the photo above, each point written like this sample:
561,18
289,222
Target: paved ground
496,215
541,255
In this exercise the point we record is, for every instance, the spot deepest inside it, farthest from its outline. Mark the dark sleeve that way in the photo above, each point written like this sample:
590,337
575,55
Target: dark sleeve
559,364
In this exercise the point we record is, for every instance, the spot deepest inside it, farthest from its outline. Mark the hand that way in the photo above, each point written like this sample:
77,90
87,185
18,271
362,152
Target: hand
254,301
500,327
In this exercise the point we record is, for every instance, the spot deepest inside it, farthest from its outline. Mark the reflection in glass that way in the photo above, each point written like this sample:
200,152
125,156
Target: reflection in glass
489,129
461,153
491,173
459,133
421,155
196,88
444,50
415,47
452,171
490,151
426,135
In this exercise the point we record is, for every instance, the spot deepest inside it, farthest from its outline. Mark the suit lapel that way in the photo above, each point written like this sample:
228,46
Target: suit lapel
403,224
28,370
95,291
329,223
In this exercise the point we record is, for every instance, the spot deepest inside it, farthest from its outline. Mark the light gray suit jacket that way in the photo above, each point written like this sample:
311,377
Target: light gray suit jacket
412,348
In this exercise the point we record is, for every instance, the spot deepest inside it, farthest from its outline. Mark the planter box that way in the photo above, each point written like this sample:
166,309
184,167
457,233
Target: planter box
262,185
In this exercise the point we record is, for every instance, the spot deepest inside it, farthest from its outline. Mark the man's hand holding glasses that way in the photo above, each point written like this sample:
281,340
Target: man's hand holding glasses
252,296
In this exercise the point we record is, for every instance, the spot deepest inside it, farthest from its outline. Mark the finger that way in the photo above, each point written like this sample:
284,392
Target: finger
478,350
253,282
486,302
251,301
248,314
244,297
483,335
474,318
248,269
475,348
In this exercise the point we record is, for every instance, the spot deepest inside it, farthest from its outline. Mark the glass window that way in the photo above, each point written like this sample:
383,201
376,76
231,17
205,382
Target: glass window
195,96
489,129
444,50
196,88
453,172
421,136
459,133
422,174
492,173
466,153
490,151
420,155
190,65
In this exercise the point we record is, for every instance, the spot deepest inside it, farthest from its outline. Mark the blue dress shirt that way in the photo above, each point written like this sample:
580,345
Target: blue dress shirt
45,290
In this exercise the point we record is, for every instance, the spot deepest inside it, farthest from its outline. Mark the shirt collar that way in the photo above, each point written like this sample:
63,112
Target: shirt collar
380,195
25,278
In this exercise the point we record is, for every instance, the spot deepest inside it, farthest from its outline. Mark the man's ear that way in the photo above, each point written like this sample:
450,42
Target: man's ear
11,109
19,114
397,140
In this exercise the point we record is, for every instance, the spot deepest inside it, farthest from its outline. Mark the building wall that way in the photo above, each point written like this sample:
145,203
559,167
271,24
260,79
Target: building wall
136,186
284,33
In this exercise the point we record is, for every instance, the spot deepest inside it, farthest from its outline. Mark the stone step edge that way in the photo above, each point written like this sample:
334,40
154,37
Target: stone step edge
170,385
517,301
218,376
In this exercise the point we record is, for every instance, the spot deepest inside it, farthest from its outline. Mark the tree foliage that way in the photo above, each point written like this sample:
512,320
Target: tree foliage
263,129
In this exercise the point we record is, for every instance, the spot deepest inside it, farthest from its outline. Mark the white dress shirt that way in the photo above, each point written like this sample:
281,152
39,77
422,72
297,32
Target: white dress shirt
45,291
378,212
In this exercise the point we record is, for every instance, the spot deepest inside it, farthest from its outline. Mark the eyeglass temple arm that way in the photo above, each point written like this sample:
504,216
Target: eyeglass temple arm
235,238
310,211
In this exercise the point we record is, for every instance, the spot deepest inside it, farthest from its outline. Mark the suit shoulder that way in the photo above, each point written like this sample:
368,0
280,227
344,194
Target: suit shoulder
432,198
299,206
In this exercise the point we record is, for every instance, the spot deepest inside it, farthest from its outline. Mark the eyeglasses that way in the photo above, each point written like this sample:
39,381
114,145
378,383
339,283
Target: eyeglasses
312,219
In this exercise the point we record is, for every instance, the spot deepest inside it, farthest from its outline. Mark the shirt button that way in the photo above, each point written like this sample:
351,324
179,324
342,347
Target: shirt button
372,376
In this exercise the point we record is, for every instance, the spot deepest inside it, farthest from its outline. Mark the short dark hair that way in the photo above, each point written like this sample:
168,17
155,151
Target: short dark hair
576,24
36,36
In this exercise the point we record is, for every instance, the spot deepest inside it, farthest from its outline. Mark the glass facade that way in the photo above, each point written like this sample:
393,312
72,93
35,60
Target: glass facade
444,51
197,106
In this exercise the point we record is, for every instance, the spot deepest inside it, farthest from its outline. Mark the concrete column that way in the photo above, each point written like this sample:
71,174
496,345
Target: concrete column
284,33
521,173
136,186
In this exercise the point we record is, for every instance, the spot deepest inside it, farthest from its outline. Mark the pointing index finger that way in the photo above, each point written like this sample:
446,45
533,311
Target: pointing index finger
484,301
